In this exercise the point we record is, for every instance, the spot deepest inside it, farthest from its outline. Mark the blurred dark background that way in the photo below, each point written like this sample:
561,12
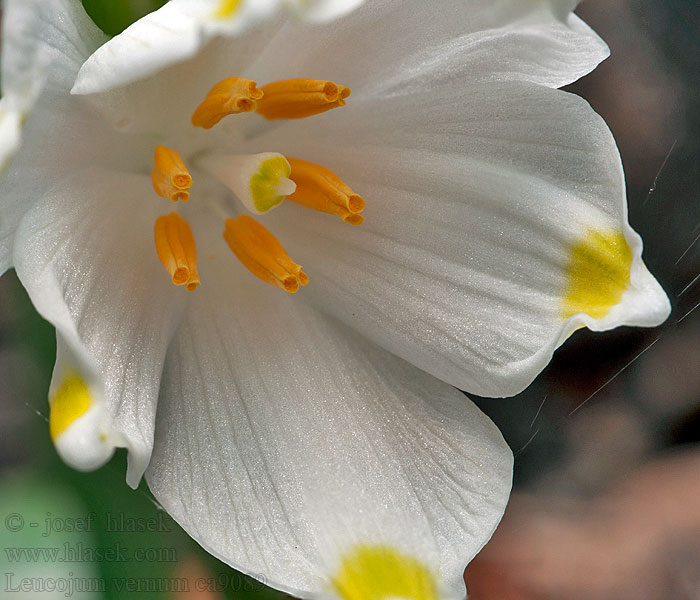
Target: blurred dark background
606,502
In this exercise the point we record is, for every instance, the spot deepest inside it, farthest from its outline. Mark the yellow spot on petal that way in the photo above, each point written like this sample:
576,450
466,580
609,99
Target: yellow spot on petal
227,8
72,400
266,183
598,273
382,573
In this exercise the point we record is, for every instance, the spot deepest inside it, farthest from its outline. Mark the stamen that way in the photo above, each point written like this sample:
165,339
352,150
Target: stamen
262,254
321,189
170,176
230,96
261,181
299,98
176,250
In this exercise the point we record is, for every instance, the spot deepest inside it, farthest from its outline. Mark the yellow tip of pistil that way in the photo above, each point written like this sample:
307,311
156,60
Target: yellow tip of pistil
177,250
299,98
262,254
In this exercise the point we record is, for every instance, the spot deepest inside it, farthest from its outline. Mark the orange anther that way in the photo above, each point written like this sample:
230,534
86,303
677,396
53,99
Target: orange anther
177,250
230,96
321,189
262,254
170,176
299,98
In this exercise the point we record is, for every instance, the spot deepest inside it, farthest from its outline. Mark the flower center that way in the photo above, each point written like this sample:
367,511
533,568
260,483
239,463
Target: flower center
260,181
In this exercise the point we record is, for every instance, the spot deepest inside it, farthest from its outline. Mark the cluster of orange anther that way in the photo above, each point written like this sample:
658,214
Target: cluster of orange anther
230,96
262,254
299,98
316,187
176,250
321,189
170,176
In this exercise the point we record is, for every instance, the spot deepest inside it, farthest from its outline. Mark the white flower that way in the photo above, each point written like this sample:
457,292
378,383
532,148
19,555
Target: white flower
288,441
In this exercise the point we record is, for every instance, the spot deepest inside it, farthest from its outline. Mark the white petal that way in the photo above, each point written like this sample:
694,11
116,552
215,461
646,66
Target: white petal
79,421
401,46
61,135
380,49
44,44
321,11
36,35
475,206
284,442
85,253
162,38
10,131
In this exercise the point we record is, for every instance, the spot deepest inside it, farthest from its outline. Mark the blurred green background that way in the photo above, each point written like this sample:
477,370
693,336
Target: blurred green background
608,406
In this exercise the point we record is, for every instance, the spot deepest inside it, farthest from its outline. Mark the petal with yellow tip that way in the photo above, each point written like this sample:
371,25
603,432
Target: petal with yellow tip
172,34
345,468
78,421
465,267
91,270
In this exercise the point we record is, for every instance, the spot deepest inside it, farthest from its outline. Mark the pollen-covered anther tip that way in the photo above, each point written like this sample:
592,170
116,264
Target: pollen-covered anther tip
262,254
321,189
177,250
230,96
299,98
170,176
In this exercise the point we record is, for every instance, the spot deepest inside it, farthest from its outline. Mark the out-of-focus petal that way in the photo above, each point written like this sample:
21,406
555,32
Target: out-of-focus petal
297,452
36,35
381,49
322,11
172,34
403,46
44,42
85,254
